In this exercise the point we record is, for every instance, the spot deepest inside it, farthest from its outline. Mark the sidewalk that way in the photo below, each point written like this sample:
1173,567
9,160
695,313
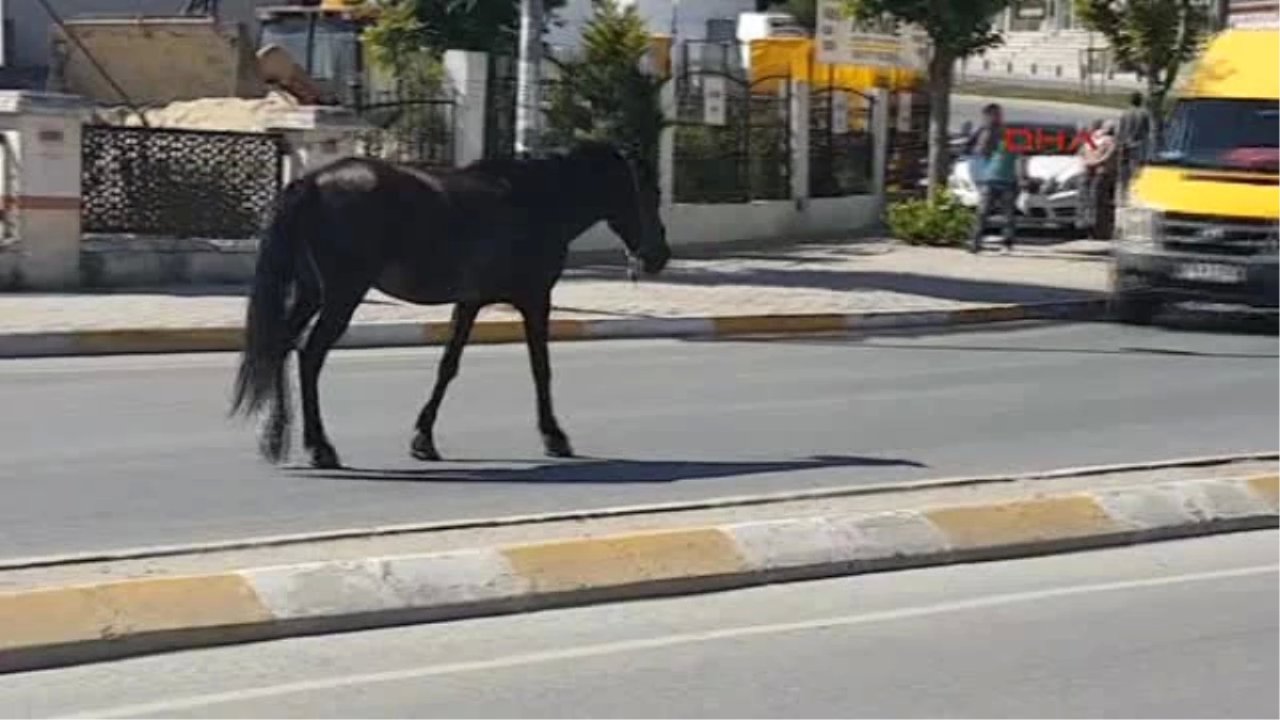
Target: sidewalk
816,279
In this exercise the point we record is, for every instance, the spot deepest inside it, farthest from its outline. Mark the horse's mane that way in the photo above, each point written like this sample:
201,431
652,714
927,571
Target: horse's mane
539,169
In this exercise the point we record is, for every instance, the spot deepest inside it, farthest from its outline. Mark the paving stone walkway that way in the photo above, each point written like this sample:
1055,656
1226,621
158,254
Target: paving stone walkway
850,277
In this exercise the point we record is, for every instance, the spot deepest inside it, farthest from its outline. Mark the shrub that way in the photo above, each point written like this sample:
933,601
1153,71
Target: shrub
940,220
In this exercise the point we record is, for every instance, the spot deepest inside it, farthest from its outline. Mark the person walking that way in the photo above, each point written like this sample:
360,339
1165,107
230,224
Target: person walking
994,169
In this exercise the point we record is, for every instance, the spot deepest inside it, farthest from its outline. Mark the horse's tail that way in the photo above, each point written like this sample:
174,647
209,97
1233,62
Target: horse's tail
261,378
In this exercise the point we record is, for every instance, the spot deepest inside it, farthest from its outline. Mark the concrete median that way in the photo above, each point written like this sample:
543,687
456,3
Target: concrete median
412,334
50,626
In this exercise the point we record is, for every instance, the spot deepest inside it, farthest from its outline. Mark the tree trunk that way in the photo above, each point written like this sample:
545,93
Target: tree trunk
1155,106
941,76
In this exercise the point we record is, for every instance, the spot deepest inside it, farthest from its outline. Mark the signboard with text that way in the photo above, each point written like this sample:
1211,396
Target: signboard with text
714,111
881,42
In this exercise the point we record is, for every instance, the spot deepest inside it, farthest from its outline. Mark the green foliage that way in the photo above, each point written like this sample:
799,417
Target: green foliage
439,25
940,220
804,11
604,94
711,166
1154,38
396,36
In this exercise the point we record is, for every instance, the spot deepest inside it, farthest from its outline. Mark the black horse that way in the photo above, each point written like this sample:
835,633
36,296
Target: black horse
495,231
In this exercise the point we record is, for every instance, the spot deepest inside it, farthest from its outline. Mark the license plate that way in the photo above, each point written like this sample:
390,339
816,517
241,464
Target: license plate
1210,273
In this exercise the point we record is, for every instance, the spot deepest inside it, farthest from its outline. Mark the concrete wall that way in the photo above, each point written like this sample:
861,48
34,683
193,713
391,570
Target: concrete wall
701,225
108,261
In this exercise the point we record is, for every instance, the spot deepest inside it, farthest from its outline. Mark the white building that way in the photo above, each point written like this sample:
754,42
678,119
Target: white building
714,20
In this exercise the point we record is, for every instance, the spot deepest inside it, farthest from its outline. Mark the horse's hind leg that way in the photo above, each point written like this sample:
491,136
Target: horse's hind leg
464,317
334,319
275,434
537,318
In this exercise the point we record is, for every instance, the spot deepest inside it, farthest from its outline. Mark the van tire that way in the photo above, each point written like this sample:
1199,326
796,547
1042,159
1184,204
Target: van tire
1135,308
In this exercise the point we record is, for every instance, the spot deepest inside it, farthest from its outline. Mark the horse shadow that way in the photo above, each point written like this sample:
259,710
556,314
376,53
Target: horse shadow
609,471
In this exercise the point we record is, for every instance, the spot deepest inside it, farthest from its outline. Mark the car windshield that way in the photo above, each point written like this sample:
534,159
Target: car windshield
1223,135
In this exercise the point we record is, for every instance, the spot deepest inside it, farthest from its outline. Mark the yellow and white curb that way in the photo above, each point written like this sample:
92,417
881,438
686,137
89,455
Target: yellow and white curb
412,334
55,626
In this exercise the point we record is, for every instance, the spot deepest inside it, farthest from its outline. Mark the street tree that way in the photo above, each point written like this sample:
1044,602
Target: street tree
956,29
1153,38
438,25
804,11
605,93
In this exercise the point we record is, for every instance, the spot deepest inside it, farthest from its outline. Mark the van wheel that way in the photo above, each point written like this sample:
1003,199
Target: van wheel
1134,307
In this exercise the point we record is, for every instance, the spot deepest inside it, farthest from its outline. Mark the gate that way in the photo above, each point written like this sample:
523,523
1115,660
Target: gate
178,183
841,156
732,138
413,127
908,144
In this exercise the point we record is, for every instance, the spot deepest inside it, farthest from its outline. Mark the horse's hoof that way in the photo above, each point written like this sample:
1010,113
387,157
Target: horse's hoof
325,458
423,448
272,449
557,445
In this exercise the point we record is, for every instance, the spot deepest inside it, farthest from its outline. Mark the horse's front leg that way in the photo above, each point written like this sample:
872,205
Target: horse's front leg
537,319
464,317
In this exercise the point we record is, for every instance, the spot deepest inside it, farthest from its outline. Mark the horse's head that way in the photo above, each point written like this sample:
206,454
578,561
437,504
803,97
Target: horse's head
632,205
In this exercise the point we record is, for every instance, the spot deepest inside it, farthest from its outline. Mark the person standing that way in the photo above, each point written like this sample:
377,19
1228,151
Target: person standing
1134,136
994,169
1102,165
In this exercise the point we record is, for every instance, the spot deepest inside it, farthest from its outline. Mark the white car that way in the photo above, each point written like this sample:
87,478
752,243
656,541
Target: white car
1051,199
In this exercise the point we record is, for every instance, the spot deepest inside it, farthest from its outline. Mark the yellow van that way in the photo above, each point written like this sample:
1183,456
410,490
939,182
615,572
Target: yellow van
1202,215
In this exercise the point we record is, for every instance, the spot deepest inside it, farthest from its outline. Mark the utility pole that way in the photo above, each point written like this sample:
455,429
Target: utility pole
529,78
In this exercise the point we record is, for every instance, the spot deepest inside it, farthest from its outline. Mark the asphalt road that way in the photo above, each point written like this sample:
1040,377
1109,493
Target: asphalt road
121,452
1165,630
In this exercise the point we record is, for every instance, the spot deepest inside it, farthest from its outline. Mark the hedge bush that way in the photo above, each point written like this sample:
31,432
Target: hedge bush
940,220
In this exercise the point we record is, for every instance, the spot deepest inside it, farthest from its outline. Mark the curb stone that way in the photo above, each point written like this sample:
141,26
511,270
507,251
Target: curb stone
66,625
411,334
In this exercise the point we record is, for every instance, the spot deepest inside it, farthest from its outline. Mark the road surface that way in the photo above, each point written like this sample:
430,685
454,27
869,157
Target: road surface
121,452
1165,630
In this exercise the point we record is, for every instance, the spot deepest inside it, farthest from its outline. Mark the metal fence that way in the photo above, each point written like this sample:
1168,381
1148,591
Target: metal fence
8,187
841,157
178,183
501,101
732,138
908,144
412,126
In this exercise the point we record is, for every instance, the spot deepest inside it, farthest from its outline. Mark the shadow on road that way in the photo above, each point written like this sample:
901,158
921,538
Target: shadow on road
604,471
933,286
880,344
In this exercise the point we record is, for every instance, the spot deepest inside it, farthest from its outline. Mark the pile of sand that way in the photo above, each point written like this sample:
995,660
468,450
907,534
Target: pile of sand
224,113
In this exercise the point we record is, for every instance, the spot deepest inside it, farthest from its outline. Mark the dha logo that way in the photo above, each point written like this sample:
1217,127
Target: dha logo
1025,141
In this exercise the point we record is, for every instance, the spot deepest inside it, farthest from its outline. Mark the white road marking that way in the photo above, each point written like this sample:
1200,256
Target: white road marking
166,707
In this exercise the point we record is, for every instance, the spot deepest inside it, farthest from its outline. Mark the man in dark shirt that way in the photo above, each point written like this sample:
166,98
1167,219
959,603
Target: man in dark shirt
1133,138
